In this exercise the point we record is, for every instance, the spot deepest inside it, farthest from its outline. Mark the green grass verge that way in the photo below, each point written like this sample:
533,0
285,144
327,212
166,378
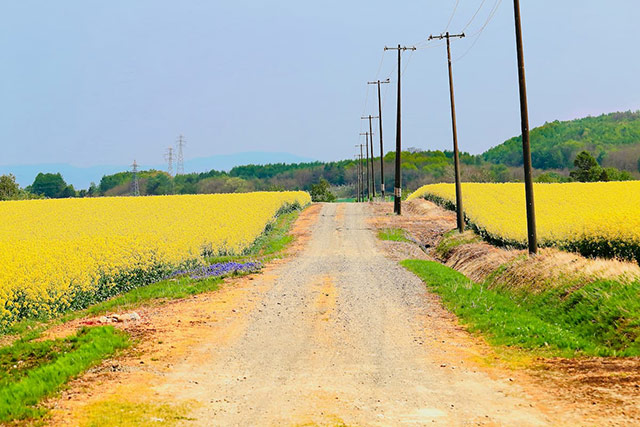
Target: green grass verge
38,369
393,234
599,319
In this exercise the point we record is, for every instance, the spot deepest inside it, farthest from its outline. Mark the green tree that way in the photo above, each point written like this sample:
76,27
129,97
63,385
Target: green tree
614,174
499,173
549,177
158,184
69,191
9,188
93,190
587,168
320,192
110,181
50,185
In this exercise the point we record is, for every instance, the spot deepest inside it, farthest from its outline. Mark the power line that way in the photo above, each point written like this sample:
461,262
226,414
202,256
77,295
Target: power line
478,33
408,60
474,16
452,15
496,5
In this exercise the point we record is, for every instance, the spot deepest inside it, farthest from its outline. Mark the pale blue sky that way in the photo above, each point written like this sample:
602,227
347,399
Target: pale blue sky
104,82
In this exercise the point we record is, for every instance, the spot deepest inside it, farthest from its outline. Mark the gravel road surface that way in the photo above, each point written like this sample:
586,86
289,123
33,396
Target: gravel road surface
343,335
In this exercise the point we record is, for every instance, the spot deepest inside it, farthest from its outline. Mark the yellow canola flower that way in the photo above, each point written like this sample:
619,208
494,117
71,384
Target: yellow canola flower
49,248
565,212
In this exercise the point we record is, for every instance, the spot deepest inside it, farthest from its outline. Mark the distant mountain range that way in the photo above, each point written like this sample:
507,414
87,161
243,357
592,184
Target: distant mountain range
81,177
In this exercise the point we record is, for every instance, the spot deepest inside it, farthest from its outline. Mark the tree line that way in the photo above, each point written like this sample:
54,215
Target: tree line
339,178
604,148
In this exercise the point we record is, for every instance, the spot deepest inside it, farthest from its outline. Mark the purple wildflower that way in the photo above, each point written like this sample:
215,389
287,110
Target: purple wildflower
219,269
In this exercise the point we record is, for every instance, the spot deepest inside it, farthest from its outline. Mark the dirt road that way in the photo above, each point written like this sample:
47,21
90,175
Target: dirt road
344,335
337,334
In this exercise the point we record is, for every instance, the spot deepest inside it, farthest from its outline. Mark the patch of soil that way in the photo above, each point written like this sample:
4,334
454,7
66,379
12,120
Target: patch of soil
424,221
608,386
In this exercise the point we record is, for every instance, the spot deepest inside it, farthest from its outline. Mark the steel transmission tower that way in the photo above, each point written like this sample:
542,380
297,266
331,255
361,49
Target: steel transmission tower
180,161
169,158
135,186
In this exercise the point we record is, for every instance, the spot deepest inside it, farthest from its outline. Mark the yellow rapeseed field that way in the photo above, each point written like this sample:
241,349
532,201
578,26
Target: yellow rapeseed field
52,250
573,213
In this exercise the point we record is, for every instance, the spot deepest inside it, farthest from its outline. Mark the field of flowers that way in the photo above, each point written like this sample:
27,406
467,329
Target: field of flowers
63,254
601,218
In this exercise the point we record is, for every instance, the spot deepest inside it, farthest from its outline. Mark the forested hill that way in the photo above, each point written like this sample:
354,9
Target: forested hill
614,139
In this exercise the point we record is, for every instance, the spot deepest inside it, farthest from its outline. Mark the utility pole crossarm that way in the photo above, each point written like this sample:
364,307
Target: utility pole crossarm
400,48
446,36
380,81
367,117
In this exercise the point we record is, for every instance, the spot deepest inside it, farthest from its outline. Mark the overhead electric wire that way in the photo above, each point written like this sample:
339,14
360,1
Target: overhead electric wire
478,33
452,15
432,45
366,99
474,16
380,66
496,5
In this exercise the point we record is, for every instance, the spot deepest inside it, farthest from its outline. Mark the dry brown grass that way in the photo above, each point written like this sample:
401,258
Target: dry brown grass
552,267
478,260
511,268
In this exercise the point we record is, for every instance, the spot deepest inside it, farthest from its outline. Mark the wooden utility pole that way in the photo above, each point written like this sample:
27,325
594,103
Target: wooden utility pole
366,134
378,82
358,173
456,154
373,175
397,191
357,178
526,149
361,176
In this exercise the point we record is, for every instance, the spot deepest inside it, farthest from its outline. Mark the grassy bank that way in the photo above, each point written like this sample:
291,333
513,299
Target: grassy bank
393,234
34,370
599,318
